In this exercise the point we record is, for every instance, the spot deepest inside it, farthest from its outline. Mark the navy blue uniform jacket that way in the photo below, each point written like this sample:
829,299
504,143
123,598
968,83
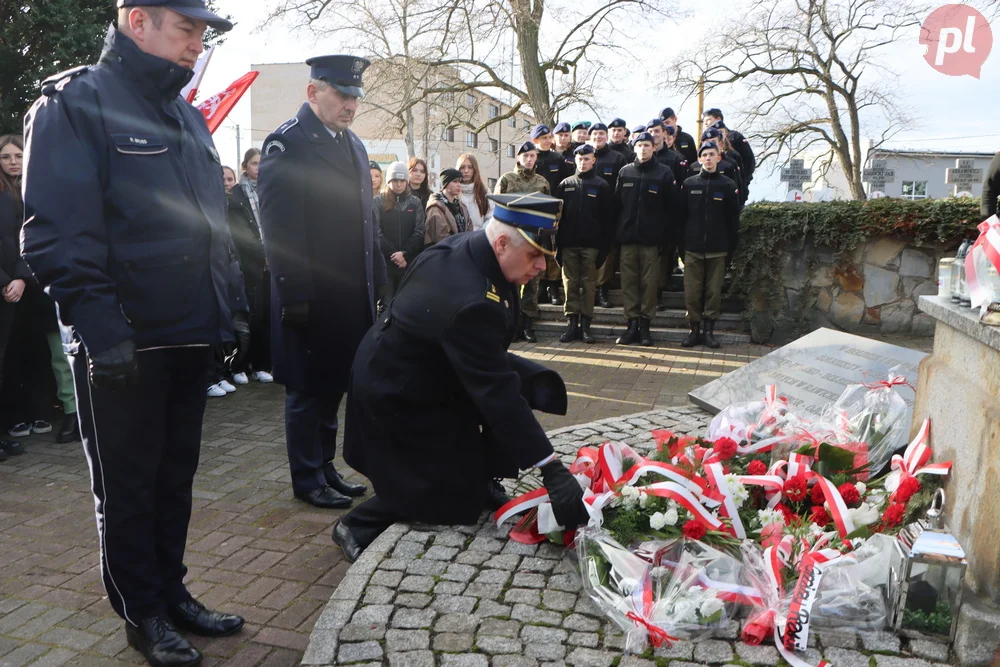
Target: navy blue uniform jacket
322,247
124,205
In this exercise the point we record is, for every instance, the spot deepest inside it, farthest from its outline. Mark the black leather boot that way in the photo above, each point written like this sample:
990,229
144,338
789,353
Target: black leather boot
602,297
630,336
585,331
710,335
572,329
161,644
645,339
528,330
554,294
694,337
337,482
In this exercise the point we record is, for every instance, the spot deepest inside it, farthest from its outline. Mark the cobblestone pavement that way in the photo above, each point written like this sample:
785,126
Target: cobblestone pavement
465,596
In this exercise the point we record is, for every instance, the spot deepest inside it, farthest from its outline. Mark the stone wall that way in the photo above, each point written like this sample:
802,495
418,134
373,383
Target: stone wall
872,290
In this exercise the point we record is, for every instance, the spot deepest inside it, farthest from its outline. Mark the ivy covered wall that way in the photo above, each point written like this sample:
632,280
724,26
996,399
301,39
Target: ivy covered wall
850,265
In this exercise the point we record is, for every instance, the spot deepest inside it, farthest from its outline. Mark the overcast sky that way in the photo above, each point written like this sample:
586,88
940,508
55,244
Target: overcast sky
954,113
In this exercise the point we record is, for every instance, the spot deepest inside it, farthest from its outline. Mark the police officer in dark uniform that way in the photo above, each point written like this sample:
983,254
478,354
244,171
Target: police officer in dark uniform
316,212
437,406
126,229
619,139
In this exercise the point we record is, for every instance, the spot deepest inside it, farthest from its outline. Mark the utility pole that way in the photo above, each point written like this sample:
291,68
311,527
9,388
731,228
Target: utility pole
239,153
701,108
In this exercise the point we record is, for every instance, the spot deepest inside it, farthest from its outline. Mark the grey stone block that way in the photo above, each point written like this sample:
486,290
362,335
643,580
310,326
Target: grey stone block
731,630
452,642
461,573
359,652
420,536
536,564
486,544
500,577
416,583
449,588
529,614
454,604
497,627
518,549
456,623
565,582
558,600
634,661
837,638
486,591
916,263
413,618
359,632
514,661
431,568
378,595
586,657
322,649
376,613
551,551
713,650
450,538
496,645
545,651
581,623
394,564
465,660
526,595
407,640
842,657
473,557
757,655
487,608
587,639
441,553
880,286
978,636
412,659
386,578
529,580
507,562
679,651
414,600
899,661
585,606
879,641
543,635
407,550
932,650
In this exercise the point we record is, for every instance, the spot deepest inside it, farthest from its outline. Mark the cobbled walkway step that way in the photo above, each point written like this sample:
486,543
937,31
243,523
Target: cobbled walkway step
674,299
672,318
548,328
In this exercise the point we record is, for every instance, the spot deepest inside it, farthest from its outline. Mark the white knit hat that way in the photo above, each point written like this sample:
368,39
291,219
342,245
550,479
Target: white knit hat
397,171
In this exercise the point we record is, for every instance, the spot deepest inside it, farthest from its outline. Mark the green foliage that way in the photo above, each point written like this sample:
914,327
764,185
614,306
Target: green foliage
626,526
44,37
769,231
938,621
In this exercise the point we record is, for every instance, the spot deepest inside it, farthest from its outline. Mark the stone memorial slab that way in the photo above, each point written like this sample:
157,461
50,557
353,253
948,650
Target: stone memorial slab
963,176
878,174
796,174
812,372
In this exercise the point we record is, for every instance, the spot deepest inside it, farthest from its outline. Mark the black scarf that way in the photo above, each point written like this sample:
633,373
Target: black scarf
456,210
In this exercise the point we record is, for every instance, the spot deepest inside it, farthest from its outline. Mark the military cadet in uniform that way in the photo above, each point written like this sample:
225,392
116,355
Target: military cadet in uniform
126,229
709,208
644,199
728,164
619,139
438,407
665,154
564,138
316,210
554,167
584,237
525,179
738,143
581,134
609,162
683,142
636,131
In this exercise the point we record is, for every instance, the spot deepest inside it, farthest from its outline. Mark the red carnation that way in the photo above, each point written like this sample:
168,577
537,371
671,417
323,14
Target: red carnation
757,468
725,448
796,488
726,470
894,515
684,461
849,493
820,516
817,496
787,513
694,530
907,488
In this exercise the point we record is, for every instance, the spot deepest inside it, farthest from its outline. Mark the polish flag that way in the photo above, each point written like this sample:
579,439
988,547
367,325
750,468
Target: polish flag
189,91
217,107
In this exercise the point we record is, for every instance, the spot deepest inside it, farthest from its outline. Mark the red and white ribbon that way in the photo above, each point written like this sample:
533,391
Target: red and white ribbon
838,508
686,499
729,508
989,243
914,460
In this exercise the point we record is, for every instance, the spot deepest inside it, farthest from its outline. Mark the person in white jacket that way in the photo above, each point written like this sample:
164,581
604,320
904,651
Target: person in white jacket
474,191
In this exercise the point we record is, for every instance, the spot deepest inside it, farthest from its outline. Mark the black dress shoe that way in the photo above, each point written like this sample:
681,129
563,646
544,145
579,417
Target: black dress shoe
344,538
325,498
193,616
69,430
496,496
161,644
337,482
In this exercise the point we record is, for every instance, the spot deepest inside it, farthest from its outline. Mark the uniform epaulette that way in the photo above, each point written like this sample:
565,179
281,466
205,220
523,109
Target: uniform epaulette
55,83
275,146
287,125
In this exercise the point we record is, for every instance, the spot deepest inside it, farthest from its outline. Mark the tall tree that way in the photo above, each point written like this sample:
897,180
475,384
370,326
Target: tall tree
812,77
39,38
448,47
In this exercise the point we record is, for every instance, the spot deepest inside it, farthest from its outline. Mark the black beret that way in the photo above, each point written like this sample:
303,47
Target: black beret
527,146
584,149
617,122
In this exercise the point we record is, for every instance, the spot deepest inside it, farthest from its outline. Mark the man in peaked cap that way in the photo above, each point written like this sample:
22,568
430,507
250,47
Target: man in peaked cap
321,242
438,408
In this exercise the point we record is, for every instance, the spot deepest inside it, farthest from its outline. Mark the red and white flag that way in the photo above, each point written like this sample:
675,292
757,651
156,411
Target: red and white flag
217,107
191,90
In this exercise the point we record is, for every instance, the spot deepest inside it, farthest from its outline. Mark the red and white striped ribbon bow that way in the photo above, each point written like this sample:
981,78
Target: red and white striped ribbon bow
914,460
989,243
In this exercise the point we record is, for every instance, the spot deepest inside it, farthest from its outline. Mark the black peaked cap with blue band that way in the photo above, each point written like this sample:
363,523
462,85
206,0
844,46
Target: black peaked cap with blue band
535,215
193,9
341,72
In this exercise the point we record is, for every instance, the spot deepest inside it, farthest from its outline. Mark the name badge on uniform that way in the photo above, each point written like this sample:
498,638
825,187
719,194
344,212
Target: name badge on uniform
697,192
627,185
136,144
570,189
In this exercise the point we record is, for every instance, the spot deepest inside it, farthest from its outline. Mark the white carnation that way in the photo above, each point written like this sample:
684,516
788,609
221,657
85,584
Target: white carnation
686,611
643,500
710,606
737,489
657,521
860,486
670,517
769,516
864,515
815,529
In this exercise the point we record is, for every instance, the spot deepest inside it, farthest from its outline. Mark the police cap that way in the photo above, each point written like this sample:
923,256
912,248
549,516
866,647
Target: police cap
561,127
540,131
598,126
193,9
341,72
534,215
617,122
670,129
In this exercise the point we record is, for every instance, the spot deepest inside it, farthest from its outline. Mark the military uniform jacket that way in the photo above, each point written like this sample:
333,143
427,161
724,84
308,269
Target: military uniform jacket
709,207
437,405
668,156
644,200
322,247
625,149
521,180
742,146
554,167
588,213
685,145
125,206
607,165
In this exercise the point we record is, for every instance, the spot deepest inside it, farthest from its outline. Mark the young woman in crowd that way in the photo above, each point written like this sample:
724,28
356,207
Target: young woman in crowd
474,191
244,225
376,172
446,214
420,184
399,218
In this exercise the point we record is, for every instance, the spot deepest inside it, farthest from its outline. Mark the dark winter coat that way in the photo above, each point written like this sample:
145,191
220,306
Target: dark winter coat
608,164
644,200
588,213
400,229
709,207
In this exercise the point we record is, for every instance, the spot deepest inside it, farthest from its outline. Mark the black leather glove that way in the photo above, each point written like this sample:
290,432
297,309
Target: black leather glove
115,368
565,494
295,315
237,356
